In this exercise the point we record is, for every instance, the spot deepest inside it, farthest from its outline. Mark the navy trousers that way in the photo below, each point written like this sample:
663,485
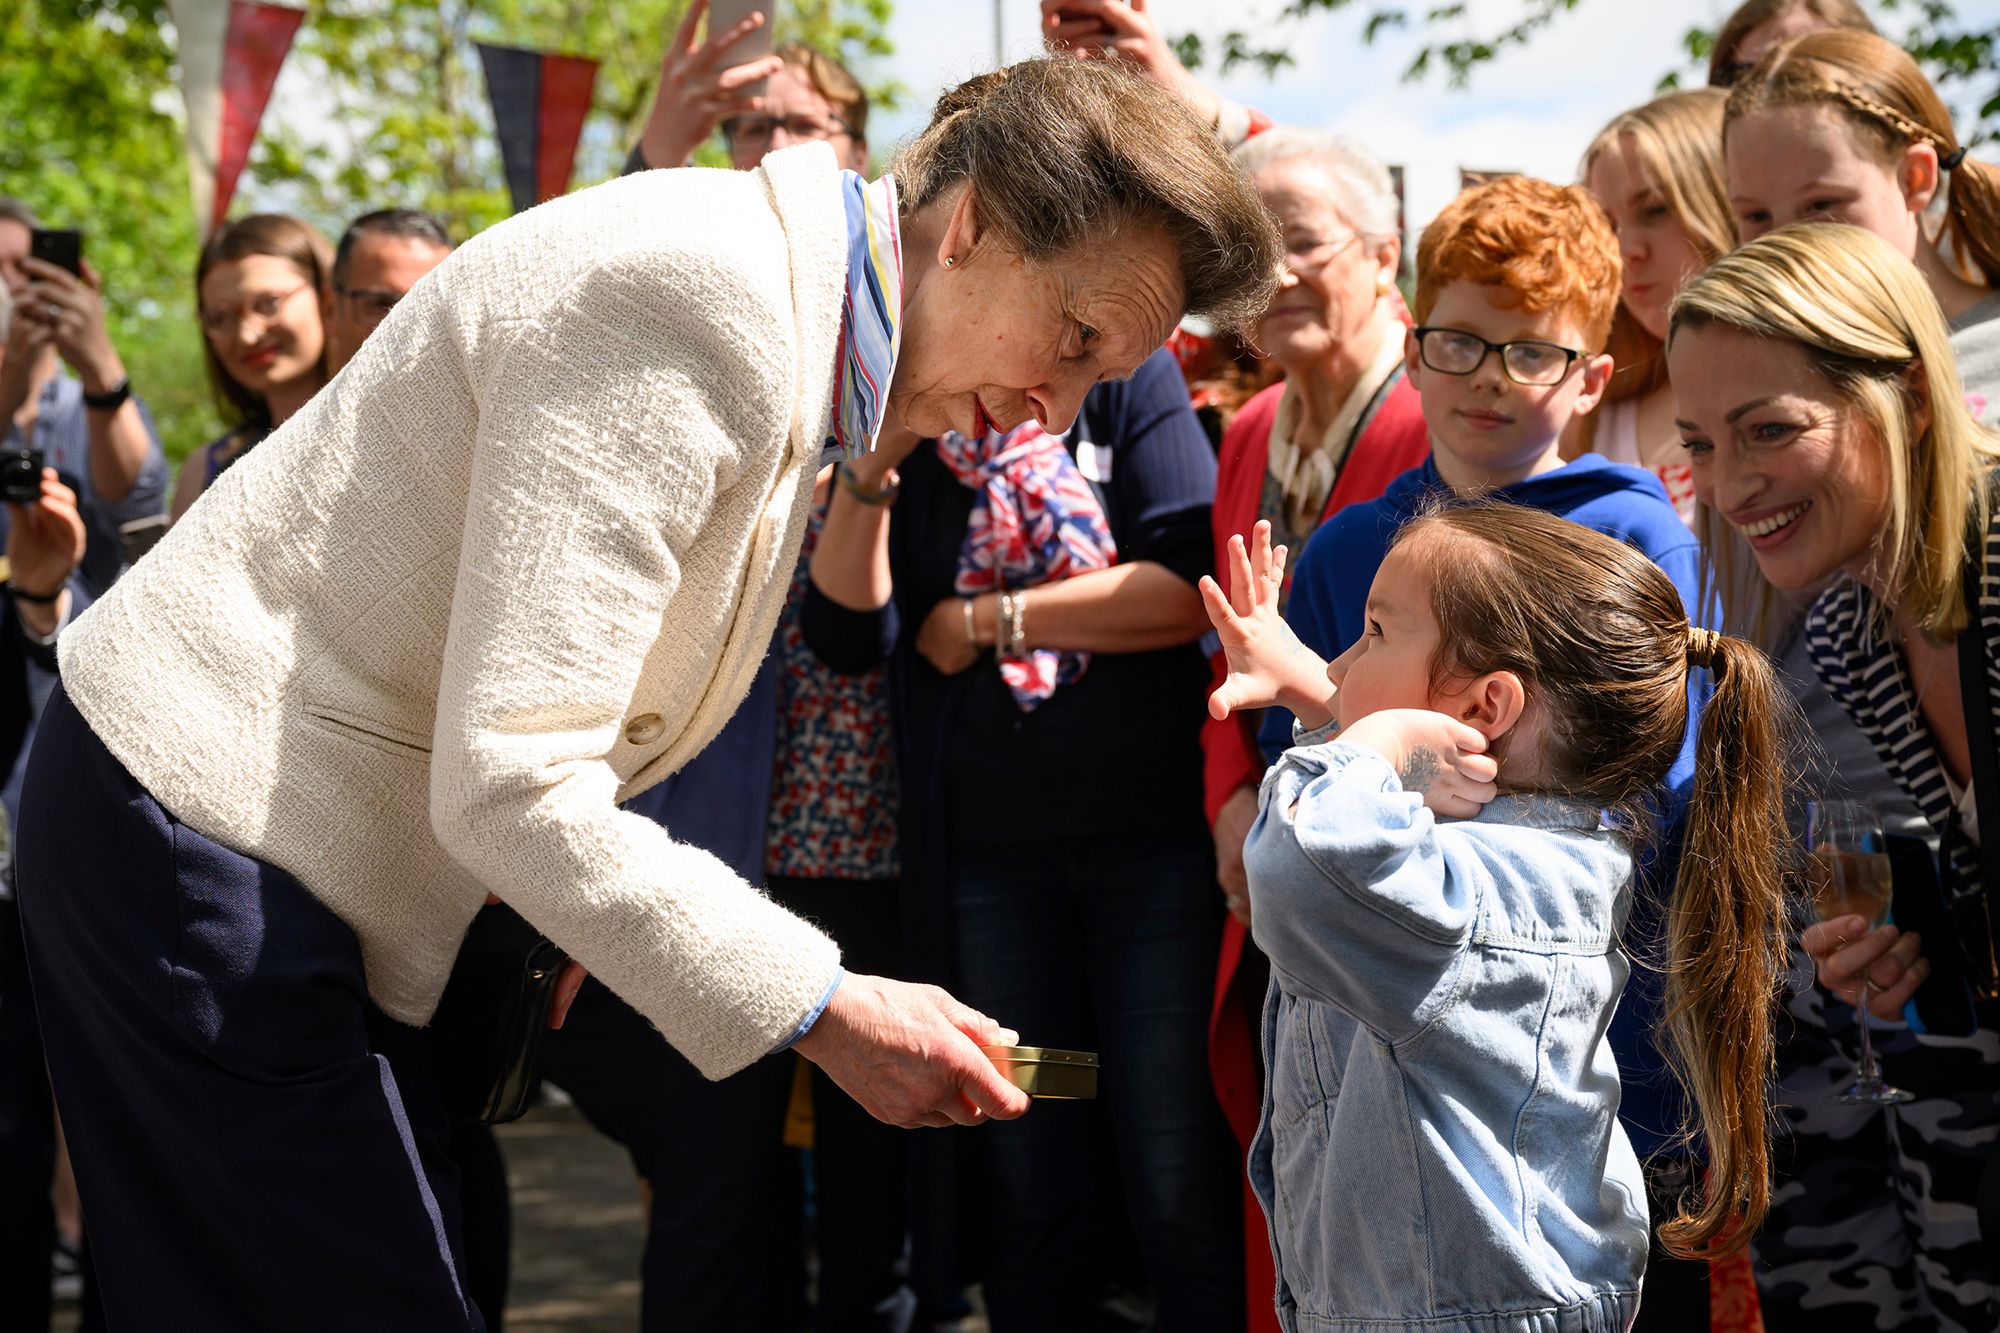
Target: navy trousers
256,1145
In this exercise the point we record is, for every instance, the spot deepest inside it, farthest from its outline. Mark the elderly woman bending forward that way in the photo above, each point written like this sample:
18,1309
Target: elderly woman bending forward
513,565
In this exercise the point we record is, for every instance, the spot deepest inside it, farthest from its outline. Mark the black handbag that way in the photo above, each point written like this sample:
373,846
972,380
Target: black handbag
490,1023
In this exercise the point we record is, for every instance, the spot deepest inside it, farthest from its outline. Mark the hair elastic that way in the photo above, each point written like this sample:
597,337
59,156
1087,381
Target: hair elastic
1950,161
1703,647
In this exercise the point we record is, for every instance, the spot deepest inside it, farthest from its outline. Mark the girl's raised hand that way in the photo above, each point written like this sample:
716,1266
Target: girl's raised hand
1267,663
1435,756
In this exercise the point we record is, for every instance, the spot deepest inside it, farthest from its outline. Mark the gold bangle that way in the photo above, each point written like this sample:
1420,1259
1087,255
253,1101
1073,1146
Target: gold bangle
971,634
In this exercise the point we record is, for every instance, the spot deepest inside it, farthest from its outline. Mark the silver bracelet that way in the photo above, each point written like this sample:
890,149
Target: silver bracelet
971,635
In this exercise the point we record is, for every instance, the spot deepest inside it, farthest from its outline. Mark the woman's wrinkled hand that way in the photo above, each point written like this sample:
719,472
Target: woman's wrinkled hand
1435,756
1844,949
1267,663
910,1054
942,641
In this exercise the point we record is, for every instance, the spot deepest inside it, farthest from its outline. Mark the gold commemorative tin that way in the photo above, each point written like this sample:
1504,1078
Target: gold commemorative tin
1043,1072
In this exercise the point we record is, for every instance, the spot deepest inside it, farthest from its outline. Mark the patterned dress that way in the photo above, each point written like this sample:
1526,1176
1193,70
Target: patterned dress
834,792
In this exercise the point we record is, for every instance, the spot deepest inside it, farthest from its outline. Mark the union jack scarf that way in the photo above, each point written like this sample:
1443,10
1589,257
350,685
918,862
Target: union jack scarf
1034,520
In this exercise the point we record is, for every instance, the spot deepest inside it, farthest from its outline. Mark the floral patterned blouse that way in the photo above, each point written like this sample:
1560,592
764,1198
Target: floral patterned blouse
834,792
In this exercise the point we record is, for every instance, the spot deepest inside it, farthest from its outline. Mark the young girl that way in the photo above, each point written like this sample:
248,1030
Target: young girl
1844,127
1657,170
1437,875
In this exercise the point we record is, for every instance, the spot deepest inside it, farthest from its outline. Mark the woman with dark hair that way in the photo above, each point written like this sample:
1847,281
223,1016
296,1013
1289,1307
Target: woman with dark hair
259,286
515,567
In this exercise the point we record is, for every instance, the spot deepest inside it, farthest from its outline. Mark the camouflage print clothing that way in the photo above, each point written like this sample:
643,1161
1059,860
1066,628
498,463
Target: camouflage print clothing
1872,1224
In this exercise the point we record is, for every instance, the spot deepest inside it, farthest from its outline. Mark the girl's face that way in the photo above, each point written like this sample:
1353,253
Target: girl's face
1659,258
1810,163
1334,277
262,317
1389,666
1777,452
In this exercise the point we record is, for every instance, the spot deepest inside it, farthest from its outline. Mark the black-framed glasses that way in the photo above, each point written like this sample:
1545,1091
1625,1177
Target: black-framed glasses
373,303
757,130
1526,361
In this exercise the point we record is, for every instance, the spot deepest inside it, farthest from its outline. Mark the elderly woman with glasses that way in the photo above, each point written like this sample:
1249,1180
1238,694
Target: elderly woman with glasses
513,567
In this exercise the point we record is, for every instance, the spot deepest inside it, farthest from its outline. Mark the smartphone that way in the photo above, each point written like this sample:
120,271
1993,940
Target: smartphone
61,247
726,14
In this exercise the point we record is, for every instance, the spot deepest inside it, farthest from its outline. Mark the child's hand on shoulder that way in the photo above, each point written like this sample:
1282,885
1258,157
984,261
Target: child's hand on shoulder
1435,756
1267,663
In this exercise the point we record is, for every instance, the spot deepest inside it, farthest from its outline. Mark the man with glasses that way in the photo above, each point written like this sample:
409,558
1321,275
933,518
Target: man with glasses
808,95
380,257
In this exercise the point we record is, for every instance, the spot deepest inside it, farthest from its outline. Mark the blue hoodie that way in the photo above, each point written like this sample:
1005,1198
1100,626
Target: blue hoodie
1330,582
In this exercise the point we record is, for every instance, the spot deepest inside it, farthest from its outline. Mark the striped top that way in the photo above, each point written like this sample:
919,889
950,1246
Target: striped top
1864,671
871,317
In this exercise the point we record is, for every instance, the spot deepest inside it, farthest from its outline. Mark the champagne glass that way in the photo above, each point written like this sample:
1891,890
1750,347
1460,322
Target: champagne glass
1848,869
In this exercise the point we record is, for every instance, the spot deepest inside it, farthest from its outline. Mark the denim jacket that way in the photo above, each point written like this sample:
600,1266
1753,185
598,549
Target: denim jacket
1440,1144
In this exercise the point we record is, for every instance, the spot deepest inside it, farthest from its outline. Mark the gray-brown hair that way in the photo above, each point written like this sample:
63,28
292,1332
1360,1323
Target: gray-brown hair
6,313
13,210
1363,190
1060,152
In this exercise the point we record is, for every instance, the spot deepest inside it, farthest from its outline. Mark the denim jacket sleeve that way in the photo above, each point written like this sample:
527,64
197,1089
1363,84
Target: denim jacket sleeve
1359,898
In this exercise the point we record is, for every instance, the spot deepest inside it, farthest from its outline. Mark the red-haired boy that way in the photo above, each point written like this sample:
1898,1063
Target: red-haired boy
1517,280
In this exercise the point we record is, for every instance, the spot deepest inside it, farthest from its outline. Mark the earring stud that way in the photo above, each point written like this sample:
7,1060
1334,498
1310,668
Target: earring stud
950,260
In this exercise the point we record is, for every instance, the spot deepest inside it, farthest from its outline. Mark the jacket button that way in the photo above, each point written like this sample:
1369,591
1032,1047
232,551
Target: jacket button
645,729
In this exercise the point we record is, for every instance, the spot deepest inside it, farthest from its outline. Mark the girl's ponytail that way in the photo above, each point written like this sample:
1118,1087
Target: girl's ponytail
1974,218
1726,941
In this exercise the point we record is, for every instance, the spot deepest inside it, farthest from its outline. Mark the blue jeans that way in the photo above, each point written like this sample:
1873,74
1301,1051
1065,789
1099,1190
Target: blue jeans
1107,945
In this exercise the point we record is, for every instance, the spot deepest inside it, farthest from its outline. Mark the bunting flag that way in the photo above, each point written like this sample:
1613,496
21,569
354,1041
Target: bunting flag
539,102
230,52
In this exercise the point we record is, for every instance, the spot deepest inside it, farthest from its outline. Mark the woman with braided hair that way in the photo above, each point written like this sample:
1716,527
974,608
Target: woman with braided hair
1843,127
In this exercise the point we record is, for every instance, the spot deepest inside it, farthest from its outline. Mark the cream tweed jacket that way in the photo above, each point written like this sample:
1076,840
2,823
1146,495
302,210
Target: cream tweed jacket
515,564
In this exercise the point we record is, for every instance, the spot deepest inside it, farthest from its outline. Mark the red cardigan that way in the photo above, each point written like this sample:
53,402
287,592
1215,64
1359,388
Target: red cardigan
1392,441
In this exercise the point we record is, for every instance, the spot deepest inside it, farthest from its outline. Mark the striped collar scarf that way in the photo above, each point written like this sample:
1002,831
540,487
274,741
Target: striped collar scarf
1034,520
1861,668
871,315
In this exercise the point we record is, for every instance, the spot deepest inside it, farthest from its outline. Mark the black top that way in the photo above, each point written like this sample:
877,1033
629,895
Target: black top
1114,753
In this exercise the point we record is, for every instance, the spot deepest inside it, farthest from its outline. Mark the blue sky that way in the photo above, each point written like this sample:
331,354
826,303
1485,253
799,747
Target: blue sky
1533,110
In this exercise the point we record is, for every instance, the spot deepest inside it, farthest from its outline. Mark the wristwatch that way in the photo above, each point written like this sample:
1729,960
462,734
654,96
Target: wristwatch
111,399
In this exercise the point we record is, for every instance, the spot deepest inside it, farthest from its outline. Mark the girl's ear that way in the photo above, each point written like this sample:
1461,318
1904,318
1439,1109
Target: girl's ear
1918,176
1492,704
